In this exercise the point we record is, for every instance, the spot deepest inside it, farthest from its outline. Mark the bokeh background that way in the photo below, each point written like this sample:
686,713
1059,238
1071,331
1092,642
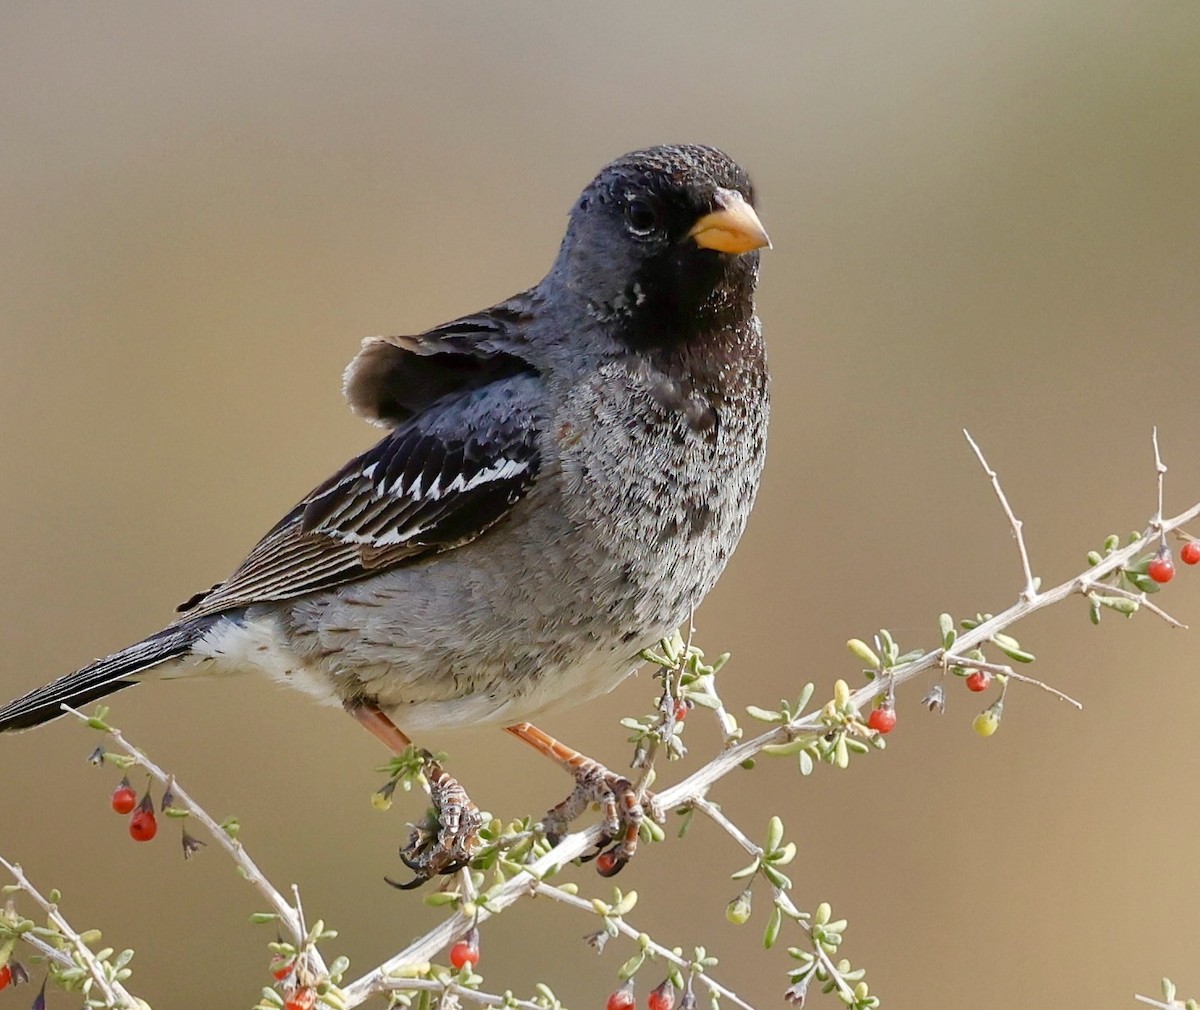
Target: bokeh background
984,216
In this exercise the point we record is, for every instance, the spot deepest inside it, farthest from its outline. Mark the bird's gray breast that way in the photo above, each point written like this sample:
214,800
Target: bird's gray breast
659,473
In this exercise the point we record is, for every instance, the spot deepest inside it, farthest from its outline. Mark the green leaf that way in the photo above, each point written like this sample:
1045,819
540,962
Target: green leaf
785,749
863,652
841,754
777,877
1020,655
946,627
774,833
703,700
746,871
771,934
1121,604
624,904
887,644
441,898
806,763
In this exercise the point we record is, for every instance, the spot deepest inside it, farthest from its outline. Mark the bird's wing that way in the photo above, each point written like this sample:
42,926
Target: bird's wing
451,467
392,379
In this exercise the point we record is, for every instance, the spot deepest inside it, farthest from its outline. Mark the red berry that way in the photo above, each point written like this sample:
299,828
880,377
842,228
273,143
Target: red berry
142,825
6,977
681,710
978,680
622,998
882,720
1162,568
281,967
124,798
1191,552
662,998
607,864
301,999
466,951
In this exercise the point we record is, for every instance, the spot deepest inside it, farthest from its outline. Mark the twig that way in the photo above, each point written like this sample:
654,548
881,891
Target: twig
781,897
1156,1003
540,887
290,916
1004,670
1034,682
1029,593
1140,598
452,988
1160,469
713,813
115,995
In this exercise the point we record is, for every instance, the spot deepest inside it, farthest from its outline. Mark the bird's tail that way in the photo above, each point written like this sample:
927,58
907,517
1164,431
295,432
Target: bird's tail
100,678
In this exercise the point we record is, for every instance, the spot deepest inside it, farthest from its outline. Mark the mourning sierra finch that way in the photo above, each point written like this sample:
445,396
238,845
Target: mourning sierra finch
563,479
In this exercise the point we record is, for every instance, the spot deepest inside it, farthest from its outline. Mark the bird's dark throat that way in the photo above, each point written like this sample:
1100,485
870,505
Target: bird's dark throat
689,299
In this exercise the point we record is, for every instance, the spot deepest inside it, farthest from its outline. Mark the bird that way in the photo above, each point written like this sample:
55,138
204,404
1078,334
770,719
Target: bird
562,480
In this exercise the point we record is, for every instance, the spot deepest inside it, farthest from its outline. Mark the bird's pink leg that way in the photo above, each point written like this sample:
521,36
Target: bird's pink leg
446,843
380,727
622,807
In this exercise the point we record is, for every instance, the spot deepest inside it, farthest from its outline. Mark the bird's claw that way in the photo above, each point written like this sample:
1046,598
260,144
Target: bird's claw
623,809
448,838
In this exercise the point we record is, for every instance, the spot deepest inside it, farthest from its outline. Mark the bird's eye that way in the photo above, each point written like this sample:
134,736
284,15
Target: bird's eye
642,216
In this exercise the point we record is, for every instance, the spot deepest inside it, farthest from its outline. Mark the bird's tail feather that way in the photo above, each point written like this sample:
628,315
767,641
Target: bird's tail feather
100,678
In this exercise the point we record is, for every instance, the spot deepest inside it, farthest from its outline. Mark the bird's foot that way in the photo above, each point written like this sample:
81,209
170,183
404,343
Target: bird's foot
448,837
623,807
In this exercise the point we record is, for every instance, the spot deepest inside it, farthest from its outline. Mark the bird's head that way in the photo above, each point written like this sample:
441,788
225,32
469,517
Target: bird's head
663,244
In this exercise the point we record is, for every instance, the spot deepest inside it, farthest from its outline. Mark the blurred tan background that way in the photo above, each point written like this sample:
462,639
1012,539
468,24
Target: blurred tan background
984,215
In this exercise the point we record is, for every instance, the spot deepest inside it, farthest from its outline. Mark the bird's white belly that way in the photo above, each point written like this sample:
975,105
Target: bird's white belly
256,645
259,644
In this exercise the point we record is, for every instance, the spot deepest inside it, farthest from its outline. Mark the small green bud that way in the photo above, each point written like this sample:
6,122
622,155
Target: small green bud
738,910
988,721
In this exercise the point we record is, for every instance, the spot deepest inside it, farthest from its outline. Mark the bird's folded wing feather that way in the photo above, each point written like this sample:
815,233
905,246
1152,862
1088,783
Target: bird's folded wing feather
392,379
444,475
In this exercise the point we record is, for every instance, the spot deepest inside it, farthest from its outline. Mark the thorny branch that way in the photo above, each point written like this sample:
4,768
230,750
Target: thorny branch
540,887
1008,671
291,916
780,896
1031,586
115,994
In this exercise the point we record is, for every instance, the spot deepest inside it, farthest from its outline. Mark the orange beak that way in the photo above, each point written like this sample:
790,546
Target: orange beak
735,228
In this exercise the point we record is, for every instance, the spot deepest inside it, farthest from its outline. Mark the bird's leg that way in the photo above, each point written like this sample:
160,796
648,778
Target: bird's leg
445,841
380,727
622,808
